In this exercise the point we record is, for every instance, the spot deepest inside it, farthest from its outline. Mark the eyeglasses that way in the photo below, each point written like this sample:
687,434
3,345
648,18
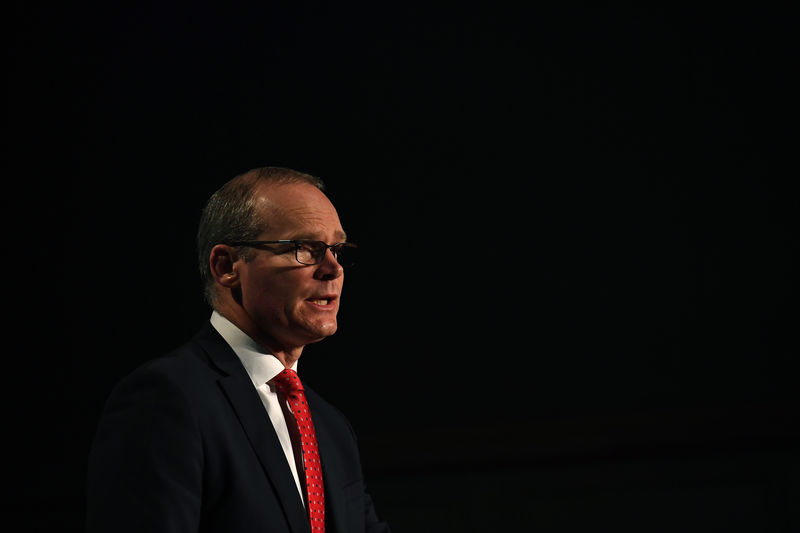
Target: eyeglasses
309,252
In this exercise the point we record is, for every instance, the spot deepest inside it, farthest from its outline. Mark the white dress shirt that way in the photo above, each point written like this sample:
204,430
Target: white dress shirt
262,366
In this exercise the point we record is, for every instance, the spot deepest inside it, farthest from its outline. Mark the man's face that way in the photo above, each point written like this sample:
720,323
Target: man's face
288,303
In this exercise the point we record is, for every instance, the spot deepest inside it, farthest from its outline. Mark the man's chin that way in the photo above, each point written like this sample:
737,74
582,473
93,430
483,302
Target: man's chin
320,333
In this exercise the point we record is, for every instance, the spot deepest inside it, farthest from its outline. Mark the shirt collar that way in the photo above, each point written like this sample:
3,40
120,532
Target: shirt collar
260,363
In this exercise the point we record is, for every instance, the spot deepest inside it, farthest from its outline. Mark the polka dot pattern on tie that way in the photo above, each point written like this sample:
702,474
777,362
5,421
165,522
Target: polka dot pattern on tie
290,386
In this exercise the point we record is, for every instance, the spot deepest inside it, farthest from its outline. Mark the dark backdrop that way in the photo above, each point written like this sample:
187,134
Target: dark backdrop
576,303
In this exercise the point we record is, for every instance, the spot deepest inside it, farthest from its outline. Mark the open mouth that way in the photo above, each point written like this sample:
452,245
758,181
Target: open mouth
323,300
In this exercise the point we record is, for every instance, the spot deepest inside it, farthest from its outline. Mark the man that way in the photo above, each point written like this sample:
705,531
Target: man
213,437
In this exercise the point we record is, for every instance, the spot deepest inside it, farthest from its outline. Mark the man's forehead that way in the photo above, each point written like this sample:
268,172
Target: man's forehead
303,211
289,194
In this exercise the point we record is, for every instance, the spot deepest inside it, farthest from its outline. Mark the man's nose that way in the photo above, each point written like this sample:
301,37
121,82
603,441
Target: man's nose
329,267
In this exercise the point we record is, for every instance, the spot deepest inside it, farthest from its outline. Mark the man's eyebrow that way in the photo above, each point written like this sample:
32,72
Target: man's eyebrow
340,236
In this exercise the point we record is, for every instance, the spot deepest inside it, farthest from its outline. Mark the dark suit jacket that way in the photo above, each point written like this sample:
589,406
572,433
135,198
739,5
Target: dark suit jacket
184,444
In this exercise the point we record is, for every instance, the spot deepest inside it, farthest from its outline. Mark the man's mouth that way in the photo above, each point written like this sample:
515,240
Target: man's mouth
323,300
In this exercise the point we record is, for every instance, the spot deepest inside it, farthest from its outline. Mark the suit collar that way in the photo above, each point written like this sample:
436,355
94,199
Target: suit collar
218,351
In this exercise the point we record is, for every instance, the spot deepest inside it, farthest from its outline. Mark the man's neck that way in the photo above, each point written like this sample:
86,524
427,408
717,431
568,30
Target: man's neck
240,319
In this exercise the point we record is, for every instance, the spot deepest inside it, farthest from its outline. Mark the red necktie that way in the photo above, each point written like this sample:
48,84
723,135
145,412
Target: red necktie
289,384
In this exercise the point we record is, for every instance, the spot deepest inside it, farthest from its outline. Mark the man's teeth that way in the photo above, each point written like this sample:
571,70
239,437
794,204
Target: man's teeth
323,301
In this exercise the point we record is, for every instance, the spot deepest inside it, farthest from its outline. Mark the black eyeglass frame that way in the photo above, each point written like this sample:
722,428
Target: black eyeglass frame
297,243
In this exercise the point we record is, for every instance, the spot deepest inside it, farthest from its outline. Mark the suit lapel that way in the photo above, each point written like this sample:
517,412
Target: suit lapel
248,408
331,469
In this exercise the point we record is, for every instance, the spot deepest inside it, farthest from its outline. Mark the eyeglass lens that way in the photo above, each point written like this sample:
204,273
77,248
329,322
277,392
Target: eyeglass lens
313,252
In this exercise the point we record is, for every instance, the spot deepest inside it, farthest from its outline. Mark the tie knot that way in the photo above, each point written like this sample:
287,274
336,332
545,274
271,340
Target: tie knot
287,381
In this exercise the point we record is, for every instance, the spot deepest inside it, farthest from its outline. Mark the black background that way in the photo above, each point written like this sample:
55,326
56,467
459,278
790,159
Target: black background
575,307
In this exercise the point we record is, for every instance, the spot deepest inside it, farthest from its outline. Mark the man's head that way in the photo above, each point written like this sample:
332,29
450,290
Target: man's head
263,289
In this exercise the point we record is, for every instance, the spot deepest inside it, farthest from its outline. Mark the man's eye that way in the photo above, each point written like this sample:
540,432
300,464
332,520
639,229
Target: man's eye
308,247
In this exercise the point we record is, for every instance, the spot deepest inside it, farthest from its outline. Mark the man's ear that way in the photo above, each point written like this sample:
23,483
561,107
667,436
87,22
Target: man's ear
224,262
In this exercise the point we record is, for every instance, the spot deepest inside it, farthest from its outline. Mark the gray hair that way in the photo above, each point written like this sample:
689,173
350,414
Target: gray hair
230,215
